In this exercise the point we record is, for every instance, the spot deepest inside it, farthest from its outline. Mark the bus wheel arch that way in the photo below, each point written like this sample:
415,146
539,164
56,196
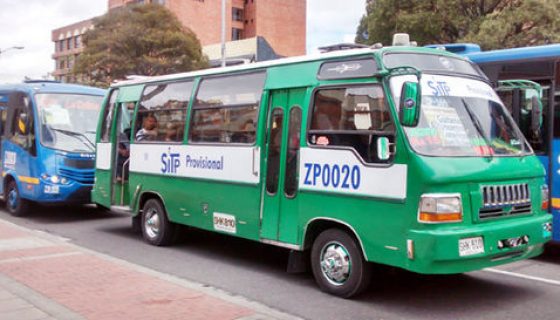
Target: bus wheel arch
16,205
156,228
318,225
337,258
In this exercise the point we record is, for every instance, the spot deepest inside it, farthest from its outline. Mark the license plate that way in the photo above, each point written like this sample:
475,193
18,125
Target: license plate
470,246
51,189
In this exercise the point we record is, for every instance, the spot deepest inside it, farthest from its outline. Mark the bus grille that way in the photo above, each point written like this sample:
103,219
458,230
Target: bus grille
79,163
505,200
82,176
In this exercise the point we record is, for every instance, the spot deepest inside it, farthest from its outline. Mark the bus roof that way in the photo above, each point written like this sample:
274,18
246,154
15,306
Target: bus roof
52,87
473,52
282,62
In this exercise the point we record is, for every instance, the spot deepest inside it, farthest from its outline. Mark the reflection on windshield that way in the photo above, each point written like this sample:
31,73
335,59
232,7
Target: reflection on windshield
68,121
465,126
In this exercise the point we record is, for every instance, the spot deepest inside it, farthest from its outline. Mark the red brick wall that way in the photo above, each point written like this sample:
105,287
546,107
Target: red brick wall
203,17
283,24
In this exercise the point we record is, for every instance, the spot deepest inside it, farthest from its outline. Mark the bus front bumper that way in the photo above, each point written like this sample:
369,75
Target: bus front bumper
48,193
450,250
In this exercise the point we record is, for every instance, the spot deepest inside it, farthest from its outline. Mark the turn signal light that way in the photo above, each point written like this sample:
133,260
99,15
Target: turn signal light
545,197
440,208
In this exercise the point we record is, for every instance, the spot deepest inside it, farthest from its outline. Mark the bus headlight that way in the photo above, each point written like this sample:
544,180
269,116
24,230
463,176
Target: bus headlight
54,179
440,208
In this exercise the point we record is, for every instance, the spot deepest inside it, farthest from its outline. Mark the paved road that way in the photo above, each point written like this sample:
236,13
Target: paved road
525,290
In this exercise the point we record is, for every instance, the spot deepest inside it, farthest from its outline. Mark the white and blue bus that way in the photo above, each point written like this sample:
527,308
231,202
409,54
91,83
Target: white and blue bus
48,155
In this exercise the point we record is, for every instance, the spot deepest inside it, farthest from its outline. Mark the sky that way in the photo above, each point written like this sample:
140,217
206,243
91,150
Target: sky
28,23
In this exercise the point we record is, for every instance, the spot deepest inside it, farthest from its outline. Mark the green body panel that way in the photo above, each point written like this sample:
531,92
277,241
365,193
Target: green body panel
436,250
101,192
196,208
130,93
382,226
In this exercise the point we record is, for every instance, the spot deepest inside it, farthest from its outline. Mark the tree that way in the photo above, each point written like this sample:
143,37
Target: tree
143,40
491,23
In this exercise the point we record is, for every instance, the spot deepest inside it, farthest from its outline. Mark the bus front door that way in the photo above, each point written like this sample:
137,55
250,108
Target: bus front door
279,216
120,190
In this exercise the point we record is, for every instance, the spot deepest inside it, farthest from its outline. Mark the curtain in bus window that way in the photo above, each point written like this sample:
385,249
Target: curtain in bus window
225,109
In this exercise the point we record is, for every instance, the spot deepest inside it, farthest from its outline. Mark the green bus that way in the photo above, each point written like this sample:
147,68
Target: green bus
399,155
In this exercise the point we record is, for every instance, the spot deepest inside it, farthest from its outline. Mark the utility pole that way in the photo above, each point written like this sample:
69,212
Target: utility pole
223,33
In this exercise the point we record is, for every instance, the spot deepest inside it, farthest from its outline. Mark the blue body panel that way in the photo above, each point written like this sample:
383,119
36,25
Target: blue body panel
33,174
555,187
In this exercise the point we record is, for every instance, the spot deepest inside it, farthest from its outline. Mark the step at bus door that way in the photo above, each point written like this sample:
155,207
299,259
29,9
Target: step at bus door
280,216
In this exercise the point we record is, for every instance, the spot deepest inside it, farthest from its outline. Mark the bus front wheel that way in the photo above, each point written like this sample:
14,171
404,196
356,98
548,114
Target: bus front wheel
14,203
156,228
338,264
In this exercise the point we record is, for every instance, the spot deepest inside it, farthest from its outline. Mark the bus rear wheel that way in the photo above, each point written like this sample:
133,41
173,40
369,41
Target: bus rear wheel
156,228
338,264
14,203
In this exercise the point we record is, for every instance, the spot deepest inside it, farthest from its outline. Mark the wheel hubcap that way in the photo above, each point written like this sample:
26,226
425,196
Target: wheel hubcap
335,263
12,199
152,223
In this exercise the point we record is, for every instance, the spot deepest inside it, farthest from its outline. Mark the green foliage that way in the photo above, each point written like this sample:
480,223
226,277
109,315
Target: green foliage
493,24
143,40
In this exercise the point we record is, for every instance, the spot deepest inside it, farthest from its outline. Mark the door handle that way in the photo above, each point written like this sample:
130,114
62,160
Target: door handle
256,160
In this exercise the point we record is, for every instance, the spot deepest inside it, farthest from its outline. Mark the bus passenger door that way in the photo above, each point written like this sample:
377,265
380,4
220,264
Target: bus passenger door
279,216
120,189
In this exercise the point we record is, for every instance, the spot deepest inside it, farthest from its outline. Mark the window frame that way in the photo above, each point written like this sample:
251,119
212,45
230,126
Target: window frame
259,106
187,109
346,85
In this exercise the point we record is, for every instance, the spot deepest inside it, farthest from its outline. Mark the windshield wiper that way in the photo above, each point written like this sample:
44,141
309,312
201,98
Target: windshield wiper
80,136
478,127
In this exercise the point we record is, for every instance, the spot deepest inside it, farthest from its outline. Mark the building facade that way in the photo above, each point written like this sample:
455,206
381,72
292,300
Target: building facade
282,23
67,46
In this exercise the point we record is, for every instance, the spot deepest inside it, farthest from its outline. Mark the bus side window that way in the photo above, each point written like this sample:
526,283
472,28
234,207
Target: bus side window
225,109
353,117
292,156
22,126
162,112
108,116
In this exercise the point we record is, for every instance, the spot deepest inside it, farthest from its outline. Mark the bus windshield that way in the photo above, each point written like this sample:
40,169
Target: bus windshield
68,121
461,117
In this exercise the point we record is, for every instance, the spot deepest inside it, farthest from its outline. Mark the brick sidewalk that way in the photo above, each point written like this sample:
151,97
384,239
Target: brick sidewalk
44,277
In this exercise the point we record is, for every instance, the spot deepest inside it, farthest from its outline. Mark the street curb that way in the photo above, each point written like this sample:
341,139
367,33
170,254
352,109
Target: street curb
263,311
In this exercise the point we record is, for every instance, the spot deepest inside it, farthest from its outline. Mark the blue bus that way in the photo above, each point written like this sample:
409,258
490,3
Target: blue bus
47,131
541,65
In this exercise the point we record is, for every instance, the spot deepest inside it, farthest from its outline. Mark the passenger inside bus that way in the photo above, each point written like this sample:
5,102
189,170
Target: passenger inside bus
149,129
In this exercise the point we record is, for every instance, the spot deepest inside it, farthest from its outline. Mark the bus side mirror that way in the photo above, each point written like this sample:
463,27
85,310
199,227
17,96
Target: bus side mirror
409,106
536,114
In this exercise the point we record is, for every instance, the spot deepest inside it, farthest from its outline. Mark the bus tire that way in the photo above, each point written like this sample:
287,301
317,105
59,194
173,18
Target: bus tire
17,206
338,264
156,228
